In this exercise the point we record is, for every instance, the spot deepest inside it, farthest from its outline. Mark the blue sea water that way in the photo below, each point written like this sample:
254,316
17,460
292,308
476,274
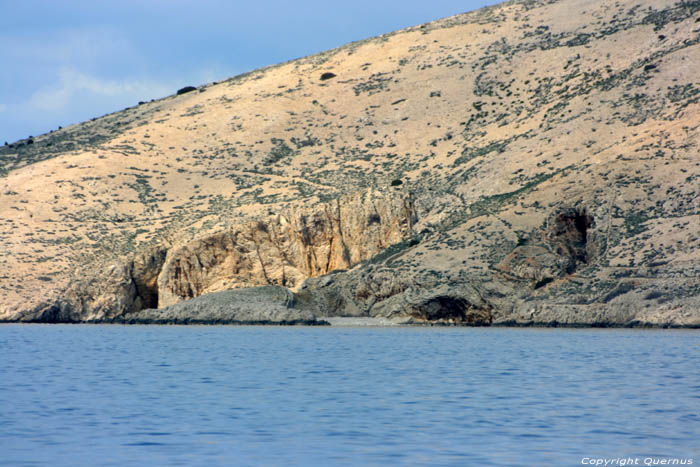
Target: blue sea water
226,395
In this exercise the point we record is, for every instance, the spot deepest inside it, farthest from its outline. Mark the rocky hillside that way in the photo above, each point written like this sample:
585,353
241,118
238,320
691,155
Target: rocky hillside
532,162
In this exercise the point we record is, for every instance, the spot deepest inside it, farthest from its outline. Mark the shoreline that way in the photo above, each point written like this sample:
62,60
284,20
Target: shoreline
362,322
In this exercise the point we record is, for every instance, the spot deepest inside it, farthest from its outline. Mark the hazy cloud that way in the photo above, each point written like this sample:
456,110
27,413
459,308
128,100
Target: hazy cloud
74,85
3,107
82,48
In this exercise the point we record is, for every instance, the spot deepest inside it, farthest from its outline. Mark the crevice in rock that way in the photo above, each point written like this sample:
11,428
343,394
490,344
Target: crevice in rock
570,235
145,269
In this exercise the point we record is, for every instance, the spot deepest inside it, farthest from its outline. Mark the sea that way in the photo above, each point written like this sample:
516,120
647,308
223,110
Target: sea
112,395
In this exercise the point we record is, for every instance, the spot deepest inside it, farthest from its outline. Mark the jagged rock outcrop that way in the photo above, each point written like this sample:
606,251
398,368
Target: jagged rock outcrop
91,296
288,248
391,293
567,241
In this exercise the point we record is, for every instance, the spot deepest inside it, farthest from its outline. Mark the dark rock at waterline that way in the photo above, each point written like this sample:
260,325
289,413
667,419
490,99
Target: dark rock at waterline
259,305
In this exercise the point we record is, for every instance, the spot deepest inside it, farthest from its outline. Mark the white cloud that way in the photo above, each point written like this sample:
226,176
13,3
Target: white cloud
67,46
74,86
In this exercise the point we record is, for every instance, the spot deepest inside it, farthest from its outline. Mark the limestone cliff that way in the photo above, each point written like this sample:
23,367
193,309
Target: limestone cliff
287,248
283,249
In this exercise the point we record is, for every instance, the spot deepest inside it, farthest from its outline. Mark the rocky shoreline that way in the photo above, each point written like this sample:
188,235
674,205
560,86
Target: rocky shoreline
278,306
337,300
362,323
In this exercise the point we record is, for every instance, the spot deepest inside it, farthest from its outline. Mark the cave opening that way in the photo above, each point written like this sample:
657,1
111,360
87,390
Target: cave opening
571,236
147,293
445,308
145,269
453,309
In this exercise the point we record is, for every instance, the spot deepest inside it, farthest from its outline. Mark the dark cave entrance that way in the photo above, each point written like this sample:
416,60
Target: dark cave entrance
445,308
570,234
454,309
145,269
148,293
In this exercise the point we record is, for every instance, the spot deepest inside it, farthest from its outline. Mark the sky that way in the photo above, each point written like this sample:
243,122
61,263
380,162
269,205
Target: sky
67,61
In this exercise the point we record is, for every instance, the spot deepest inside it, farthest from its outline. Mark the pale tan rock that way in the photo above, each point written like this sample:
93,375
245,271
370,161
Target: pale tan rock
287,248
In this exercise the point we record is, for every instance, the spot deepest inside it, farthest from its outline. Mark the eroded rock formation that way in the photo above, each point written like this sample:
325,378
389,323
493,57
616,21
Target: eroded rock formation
281,250
287,248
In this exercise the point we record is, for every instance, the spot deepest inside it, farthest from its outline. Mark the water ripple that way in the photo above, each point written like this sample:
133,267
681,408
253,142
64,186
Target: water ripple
307,396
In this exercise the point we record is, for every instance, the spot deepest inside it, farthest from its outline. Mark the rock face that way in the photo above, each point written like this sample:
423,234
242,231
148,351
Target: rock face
91,296
282,250
530,163
287,248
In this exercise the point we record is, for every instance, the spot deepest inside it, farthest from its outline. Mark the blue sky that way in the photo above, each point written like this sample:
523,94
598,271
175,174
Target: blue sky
67,61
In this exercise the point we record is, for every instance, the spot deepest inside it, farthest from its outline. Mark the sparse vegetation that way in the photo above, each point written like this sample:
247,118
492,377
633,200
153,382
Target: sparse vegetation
489,137
279,151
185,90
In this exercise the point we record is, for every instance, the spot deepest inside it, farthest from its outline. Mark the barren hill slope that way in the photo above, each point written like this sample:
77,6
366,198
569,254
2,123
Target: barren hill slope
532,162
